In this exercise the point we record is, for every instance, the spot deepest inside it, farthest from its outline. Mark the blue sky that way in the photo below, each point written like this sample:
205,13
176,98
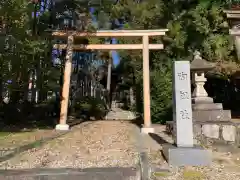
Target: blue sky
115,55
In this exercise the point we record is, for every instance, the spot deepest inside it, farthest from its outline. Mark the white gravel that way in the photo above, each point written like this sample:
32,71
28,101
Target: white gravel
90,144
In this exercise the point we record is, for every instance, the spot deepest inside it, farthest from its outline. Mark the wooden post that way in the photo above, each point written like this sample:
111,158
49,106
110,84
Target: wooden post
66,86
146,87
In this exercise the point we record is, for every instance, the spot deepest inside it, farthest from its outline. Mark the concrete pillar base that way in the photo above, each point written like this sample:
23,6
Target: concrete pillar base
62,127
147,130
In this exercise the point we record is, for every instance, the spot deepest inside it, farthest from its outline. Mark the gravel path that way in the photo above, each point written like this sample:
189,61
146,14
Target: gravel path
90,144
113,144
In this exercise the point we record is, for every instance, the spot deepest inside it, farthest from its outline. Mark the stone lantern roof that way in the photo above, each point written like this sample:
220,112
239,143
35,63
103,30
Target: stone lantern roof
233,17
200,64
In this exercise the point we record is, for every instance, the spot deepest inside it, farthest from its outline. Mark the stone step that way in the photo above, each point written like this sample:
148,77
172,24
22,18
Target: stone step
207,106
115,173
119,118
119,114
211,115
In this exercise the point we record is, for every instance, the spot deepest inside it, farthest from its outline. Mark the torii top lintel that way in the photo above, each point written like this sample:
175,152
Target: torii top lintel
112,33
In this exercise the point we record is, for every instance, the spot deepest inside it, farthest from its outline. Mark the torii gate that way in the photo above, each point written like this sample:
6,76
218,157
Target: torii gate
145,46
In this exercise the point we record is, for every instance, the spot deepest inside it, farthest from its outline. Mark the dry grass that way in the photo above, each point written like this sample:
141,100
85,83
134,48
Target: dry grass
16,139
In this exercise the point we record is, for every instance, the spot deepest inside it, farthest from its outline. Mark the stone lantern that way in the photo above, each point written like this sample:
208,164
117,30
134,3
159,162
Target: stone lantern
233,16
204,109
199,67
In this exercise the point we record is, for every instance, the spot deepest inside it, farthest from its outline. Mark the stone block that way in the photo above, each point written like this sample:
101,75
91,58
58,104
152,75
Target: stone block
147,130
182,106
229,133
212,115
180,156
237,141
211,131
62,127
216,132
207,106
197,129
196,141
117,173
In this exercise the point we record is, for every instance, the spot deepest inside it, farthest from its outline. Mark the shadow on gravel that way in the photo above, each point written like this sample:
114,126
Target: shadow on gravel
138,121
158,139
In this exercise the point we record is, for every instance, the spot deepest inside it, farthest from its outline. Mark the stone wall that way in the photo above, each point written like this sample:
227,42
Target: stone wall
212,132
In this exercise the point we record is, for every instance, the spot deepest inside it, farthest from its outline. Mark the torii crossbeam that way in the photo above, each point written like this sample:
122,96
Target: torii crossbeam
145,46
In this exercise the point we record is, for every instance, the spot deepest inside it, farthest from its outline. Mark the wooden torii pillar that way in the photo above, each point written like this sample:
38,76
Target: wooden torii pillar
145,47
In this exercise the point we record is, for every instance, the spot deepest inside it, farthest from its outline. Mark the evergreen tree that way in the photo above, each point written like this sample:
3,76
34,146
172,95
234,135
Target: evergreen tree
193,25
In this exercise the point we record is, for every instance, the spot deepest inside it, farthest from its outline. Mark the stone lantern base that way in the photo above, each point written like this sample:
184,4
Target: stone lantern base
206,106
210,112
204,109
202,100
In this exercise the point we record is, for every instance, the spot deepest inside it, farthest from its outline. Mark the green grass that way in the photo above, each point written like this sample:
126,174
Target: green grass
161,174
193,175
3,134
37,144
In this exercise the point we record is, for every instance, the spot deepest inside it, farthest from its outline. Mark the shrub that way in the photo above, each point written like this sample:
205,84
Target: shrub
161,94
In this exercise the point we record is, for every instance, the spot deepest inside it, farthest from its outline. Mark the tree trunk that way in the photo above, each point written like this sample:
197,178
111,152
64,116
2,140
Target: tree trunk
109,75
1,89
237,45
132,98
